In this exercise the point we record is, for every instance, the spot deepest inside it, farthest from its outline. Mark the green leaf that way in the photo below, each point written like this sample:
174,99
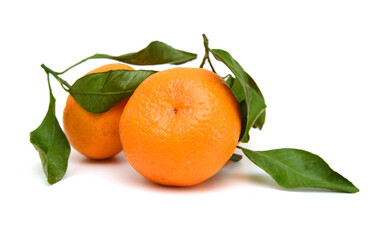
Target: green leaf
236,87
259,123
235,157
52,145
256,109
229,80
252,104
98,92
294,168
155,53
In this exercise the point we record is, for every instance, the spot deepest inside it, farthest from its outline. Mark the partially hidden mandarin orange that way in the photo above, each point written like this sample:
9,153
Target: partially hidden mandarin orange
180,126
95,136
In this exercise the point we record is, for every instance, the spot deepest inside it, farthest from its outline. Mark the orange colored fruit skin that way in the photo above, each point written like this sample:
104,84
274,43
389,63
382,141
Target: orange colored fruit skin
95,136
180,126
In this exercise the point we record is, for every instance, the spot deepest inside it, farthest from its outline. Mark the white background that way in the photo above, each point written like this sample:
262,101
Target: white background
325,69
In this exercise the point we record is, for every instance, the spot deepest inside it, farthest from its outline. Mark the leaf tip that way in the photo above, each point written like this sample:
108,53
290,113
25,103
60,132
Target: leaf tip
52,181
353,189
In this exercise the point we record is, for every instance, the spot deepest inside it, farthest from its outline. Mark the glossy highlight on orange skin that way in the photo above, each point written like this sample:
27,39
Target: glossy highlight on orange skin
180,126
95,136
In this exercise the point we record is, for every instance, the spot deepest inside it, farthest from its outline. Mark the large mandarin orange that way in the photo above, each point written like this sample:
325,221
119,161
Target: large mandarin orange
95,136
180,126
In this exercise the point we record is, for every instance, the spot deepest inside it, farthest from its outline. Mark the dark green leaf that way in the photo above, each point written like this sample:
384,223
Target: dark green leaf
236,87
261,119
255,112
248,94
259,123
238,90
229,80
52,145
294,168
98,92
155,53
235,157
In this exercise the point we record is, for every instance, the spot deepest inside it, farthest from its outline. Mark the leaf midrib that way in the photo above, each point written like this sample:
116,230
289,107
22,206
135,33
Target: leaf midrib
101,93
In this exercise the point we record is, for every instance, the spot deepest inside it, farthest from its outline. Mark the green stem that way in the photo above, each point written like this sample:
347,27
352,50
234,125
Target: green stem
82,61
209,61
66,86
48,80
206,54
228,75
95,56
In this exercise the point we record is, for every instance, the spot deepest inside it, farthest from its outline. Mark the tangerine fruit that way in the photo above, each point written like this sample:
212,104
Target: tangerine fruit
180,126
95,136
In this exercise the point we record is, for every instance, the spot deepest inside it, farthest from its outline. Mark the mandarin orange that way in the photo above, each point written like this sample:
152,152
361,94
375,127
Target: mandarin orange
180,126
95,136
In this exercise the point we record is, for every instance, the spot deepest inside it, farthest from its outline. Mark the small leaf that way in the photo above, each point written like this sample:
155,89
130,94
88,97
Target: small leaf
252,104
229,80
235,157
294,168
155,53
259,123
52,145
238,91
255,112
236,87
98,92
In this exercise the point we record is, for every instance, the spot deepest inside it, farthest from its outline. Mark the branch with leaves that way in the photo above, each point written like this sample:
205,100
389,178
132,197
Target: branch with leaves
98,92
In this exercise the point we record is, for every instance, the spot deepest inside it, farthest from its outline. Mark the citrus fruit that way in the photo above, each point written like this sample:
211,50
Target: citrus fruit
95,136
180,126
